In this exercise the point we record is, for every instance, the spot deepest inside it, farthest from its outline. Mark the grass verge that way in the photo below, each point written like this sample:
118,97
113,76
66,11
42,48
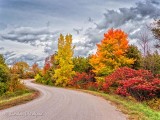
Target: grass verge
19,97
134,109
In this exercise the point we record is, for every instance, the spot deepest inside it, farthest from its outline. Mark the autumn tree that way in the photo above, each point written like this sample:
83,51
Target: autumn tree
64,72
111,53
47,65
35,68
20,68
49,69
50,63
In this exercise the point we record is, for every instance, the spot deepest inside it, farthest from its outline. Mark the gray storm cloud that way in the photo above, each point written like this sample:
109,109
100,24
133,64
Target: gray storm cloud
148,9
130,19
28,35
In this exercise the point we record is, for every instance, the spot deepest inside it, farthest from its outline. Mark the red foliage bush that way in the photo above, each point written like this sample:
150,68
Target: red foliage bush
158,76
143,91
125,84
120,74
83,80
138,88
126,73
140,84
156,82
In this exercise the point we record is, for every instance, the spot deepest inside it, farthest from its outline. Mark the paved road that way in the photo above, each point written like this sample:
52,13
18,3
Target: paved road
62,104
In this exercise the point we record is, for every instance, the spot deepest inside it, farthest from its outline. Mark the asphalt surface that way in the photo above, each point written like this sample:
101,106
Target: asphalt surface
62,104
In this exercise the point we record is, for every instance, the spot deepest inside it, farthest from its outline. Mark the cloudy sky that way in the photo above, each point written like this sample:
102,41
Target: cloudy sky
29,29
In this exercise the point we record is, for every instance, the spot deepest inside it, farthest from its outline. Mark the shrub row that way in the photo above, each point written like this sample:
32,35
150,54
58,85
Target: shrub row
140,84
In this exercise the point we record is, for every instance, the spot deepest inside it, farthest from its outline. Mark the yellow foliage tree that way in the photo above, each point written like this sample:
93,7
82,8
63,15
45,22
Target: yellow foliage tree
64,72
20,68
111,53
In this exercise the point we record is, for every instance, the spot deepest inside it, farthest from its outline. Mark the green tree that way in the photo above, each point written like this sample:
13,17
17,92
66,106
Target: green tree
4,71
4,75
81,64
64,72
152,62
156,31
2,60
135,54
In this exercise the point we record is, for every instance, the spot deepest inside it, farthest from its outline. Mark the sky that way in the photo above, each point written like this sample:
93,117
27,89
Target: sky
29,29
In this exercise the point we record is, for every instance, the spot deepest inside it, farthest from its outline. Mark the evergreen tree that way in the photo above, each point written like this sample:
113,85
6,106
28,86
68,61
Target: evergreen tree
81,64
156,32
134,53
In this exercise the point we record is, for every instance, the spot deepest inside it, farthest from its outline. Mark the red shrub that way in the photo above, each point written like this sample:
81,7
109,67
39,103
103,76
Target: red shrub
158,76
144,74
143,91
156,82
92,86
125,73
140,84
83,80
138,88
125,84
120,74
121,91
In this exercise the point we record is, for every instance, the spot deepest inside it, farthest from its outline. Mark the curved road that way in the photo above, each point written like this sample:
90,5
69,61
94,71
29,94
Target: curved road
62,104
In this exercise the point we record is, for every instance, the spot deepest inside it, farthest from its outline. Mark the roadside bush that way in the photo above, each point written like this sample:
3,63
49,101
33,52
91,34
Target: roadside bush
156,82
3,88
138,88
93,86
47,78
139,84
28,75
4,74
15,84
125,73
38,78
143,91
83,80
99,82
44,79
9,94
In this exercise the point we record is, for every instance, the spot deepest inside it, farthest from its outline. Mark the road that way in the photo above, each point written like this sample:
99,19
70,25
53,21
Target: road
62,104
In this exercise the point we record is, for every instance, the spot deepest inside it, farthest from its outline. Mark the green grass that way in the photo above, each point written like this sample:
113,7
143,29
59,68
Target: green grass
15,98
135,110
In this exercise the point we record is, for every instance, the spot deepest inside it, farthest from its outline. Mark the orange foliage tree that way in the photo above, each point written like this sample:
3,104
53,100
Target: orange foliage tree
35,68
111,53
